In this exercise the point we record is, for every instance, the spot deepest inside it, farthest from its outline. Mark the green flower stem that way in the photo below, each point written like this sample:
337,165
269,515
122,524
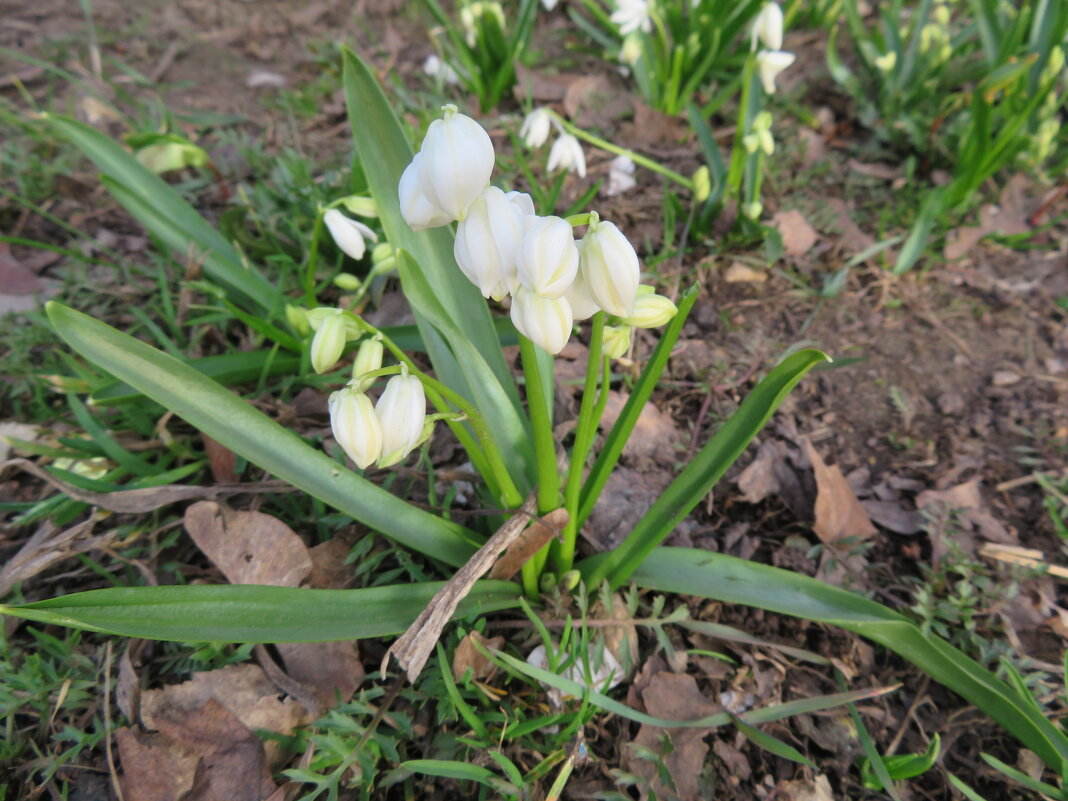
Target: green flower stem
637,158
313,261
585,432
738,152
485,456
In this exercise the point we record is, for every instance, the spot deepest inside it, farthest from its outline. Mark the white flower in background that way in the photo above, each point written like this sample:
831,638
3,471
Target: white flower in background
602,677
631,50
632,15
549,5
470,15
349,235
767,27
416,209
650,310
486,242
547,259
454,166
616,341
440,70
536,128
329,341
887,61
609,266
546,322
355,425
401,412
567,154
620,176
769,64
753,210
759,137
582,304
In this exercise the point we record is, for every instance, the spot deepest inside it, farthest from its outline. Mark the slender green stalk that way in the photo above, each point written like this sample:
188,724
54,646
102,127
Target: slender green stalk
313,260
585,431
637,158
738,154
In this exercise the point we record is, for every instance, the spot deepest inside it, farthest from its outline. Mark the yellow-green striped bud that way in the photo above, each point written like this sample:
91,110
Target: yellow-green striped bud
297,317
347,281
368,358
650,310
616,341
702,184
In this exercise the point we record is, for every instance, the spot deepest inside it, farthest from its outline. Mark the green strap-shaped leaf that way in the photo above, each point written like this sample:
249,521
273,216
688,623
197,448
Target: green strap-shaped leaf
242,428
163,212
255,613
700,475
731,580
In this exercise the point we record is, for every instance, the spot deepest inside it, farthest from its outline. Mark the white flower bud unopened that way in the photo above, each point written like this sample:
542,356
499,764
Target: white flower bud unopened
566,153
457,159
486,243
609,266
401,412
769,64
544,321
547,259
650,310
347,234
767,27
536,128
328,342
368,358
416,208
616,341
522,201
355,426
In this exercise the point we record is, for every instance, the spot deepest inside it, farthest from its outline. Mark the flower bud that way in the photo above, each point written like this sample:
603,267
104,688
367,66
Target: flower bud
329,342
536,128
753,210
567,154
609,267
616,341
702,184
416,208
355,426
544,321
486,243
368,358
360,205
769,64
631,50
297,317
650,310
348,234
887,61
457,159
547,259
401,412
767,27
522,201
347,282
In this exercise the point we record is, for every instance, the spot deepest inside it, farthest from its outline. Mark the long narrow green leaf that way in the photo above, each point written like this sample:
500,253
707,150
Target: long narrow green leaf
255,613
724,578
245,430
698,478
162,210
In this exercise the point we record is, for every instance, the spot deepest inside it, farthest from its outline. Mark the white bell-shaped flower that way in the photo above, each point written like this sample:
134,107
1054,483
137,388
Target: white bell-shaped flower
536,128
547,259
546,322
769,64
355,426
457,159
582,304
401,412
416,208
632,15
486,243
522,201
349,235
620,176
566,153
609,266
767,27
650,310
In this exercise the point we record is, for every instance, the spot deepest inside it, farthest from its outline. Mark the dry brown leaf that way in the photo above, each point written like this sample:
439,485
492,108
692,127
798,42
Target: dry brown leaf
592,102
798,236
15,278
542,86
627,495
852,240
529,542
654,433
468,657
739,273
758,481
818,789
248,547
152,769
332,669
885,172
222,460
838,512
46,547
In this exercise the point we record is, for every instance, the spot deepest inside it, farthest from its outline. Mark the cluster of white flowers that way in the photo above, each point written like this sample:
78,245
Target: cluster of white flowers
566,152
505,249
767,30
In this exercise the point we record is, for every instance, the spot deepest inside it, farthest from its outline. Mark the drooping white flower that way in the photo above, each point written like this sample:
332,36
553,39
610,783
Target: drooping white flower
609,266
567,154
416,208
536,128
486,242
544,321
549,5
522,201
547,259
769,64
632,15
355,425
349,235
620,176
440,70
650,310
767,27
401,412
456,159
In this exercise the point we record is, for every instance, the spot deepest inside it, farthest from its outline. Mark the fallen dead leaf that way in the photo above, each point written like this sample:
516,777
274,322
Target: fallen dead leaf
528,543
739,273
653,437
1008,217
838,512
852,239
11,429
818,789
798,236
468,657
758,481
15,278
885,172
592,102
222,460
627,495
